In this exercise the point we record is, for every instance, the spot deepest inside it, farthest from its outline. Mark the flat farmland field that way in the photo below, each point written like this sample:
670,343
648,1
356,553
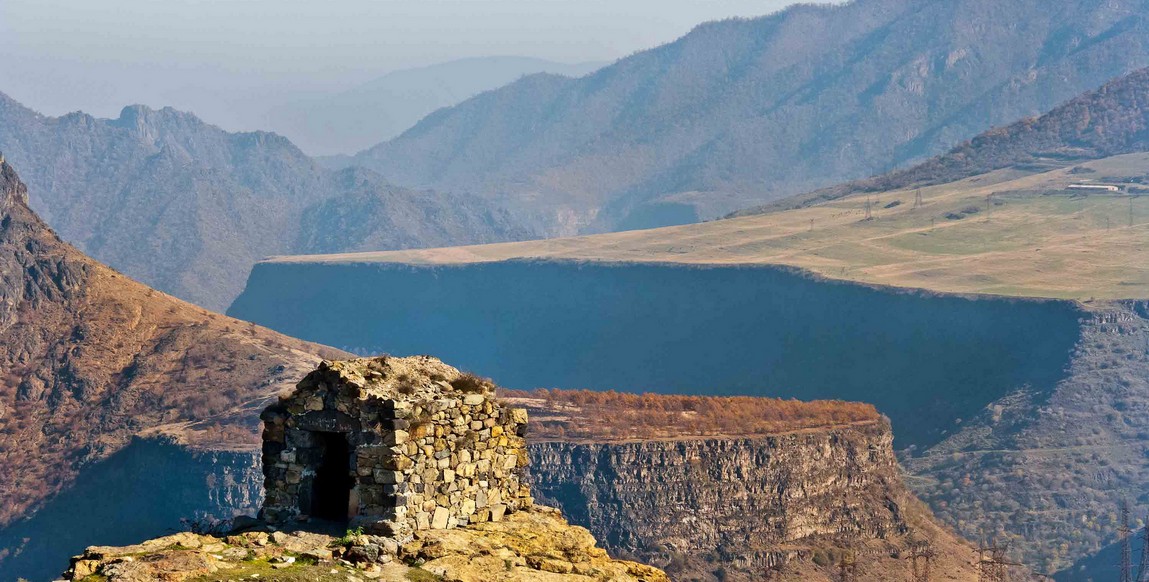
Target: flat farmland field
1010,232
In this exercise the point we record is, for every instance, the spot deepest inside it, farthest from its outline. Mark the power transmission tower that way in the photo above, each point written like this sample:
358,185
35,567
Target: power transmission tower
1130,211
921,552
917,199
991,563
1126,544
869,213
1143,565
848,567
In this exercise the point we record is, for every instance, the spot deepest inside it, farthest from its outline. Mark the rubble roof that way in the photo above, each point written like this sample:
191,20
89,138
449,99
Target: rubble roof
407,378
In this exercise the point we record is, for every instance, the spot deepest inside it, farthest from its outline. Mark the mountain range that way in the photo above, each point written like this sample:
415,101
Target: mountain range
187,208
740,112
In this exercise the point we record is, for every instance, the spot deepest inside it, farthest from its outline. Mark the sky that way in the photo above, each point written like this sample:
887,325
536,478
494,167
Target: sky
222,59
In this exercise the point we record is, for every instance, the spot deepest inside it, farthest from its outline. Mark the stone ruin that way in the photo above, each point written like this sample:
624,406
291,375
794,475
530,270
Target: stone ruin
393,445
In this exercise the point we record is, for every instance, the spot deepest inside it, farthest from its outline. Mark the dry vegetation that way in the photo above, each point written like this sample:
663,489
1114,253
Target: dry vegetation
1037,239
592,415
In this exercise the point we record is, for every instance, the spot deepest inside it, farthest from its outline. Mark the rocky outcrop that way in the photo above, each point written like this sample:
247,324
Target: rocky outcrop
530,546
760,503
738,503
430,465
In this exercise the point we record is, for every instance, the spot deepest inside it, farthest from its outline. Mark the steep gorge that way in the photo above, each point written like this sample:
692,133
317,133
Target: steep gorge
988,396
758,331
151,487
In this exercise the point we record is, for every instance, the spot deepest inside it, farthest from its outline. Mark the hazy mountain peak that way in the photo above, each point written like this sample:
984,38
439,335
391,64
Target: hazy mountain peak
187,207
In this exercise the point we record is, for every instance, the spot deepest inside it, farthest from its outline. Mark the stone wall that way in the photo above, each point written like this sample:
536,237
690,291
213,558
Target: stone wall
429,447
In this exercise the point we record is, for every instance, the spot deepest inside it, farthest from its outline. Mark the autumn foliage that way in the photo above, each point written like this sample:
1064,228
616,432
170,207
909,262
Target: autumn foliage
593,415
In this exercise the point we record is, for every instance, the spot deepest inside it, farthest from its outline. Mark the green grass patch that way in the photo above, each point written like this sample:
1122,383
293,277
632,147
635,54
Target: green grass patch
421,575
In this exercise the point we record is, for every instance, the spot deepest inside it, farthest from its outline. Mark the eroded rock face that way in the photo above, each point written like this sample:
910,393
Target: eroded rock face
738,497
745,505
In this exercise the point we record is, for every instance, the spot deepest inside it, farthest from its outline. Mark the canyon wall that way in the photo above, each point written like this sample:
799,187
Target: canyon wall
728,508
1019,419
152,487
927,361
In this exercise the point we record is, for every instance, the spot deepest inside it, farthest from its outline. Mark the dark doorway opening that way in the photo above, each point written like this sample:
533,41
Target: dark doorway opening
331,490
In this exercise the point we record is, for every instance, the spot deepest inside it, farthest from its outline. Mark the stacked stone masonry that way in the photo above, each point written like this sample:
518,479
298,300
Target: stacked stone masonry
406,443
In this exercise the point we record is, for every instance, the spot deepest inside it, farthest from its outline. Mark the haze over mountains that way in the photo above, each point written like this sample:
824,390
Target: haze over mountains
188,208
735,113
356,119
745,111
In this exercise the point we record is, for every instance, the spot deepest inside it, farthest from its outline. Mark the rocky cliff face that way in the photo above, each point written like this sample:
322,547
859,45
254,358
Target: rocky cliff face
742,505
